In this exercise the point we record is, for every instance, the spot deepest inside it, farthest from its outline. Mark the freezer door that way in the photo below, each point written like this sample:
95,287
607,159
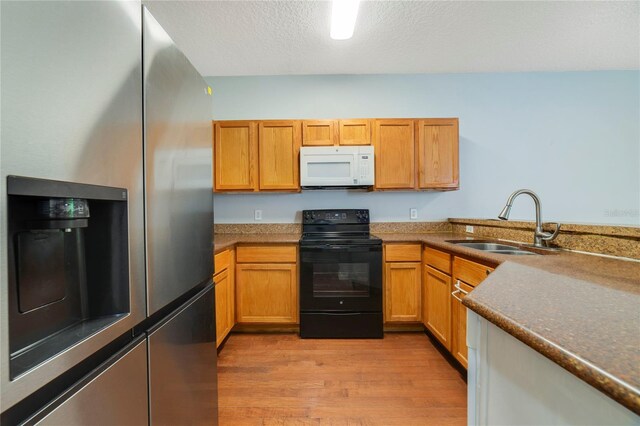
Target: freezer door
115,395
178,183
182,365
71,111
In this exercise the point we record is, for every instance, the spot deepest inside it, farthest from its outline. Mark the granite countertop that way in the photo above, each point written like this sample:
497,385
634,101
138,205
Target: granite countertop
224,241
580,311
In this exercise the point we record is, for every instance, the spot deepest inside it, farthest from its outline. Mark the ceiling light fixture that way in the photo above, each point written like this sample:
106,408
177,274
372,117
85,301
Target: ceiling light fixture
343,18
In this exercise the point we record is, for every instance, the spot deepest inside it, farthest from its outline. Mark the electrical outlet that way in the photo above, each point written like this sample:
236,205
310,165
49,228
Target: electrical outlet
469,229
257,214
413,213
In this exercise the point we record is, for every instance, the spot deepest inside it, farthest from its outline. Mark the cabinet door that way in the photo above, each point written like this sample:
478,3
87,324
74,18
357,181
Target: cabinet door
279,150
438,153
459,325
222,305
319,133
235,156
231,307
267,293
402,291
438,286
355,132
394,147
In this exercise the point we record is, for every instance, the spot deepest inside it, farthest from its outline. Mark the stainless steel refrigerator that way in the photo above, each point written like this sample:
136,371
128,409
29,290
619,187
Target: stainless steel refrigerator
106,299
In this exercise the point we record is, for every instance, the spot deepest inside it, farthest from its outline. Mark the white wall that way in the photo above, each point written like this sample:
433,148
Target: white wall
572,137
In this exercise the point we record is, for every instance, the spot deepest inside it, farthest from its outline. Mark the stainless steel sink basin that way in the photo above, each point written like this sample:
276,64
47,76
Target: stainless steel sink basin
485,246
517,252
494,248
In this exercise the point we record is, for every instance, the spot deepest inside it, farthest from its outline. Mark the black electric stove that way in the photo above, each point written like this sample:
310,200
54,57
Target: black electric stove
340,276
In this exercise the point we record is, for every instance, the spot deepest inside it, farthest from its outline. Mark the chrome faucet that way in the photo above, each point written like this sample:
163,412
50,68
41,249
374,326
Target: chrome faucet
540,237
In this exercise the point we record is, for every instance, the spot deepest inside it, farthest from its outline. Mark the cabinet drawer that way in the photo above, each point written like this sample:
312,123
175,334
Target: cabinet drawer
285,253
403,253
438,259
470,272
222,261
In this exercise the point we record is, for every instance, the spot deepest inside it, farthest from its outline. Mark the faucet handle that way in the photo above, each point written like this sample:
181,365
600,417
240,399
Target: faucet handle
551,236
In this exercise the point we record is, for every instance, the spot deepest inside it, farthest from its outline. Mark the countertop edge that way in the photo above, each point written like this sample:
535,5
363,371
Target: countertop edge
231,240
618,390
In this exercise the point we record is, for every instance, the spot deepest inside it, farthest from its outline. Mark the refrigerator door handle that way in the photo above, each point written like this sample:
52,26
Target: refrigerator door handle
119,383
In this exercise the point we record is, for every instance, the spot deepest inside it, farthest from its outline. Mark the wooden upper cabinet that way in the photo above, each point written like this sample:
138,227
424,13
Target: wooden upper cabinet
264,155
319,132
235,156
355,132
438,153
394,147
279,150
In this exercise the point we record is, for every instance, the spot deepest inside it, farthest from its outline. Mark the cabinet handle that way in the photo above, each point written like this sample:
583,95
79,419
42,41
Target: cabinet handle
458,291
457,287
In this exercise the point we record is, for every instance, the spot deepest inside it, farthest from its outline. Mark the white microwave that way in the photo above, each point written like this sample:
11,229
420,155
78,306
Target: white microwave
336,167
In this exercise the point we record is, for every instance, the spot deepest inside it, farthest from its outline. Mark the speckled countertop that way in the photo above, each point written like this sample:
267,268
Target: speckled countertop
580,311
223,241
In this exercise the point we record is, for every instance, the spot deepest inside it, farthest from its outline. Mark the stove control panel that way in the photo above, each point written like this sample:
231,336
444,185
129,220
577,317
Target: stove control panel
329,217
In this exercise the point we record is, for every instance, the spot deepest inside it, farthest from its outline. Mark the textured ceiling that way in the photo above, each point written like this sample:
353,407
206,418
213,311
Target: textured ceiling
225,38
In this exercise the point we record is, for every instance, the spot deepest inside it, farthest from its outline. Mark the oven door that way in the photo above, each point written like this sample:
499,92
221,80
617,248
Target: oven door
340,278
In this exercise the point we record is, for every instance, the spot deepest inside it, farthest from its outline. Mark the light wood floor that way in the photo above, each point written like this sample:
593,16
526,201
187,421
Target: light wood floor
280,379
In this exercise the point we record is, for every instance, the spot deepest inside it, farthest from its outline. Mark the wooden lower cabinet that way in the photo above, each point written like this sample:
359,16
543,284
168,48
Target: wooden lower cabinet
438,310
469,272
223,292
267,293
459,325
402,292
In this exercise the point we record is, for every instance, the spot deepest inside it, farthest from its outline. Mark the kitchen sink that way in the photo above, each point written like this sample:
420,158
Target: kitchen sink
497,248
517,252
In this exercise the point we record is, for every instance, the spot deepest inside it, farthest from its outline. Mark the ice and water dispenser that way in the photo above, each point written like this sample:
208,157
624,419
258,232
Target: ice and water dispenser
68,265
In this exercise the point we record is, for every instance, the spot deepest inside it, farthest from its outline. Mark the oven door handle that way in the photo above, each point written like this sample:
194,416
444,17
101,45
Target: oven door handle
338,247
